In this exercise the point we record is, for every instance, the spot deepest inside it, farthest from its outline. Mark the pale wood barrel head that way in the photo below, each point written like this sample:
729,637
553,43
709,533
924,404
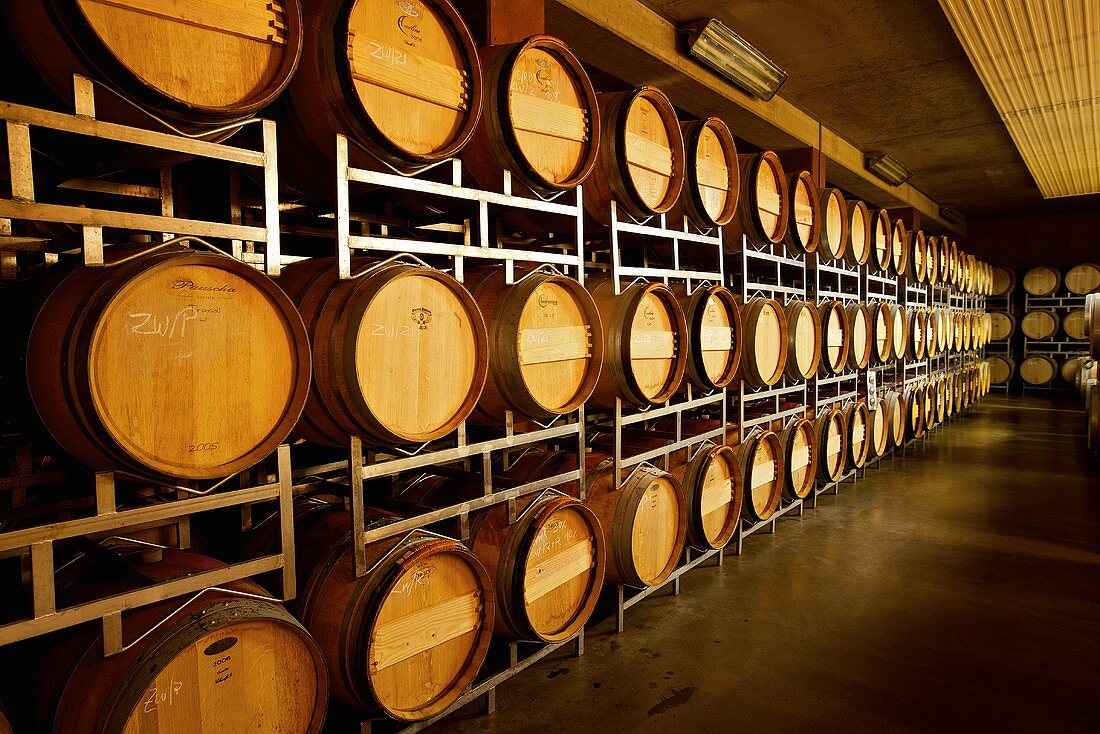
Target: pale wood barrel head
1001,325
768,185
857,435
1070,369
717,499
764,476
1037,370
897,419
803,211
717,339
655,539
1042,281
767,351
804,342
417,354
899,247
881,330
424,634
411,73
800,459
859,233
833,447
191,367
882,238
649,153
1074,324
898,332
918,257
1000,369
210,54
555,345
1002,282
560,569
654,338
917,337
550,113
859,335
1039,324
879,428
233,678
834,329
717,174
835,231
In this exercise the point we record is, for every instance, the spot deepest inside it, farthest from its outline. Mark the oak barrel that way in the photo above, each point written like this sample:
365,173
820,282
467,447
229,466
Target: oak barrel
860,342
711,192
914,403
1092,318
1037,369
1003,281
895,418
151,364
541,120
917,342
646,348
804,227
900,247
800,457
1001,368
401,352
713,487
878,427
715,337
860,235
917,269
857,420
546,344
765,354
899,332
803,340
835,336
1070,369
1073,323
1092,414
943,262
764,211
831,433
1083,278
1042,281
933,272
1002,325
641,156
1039,324
760,462
833,239
882,337
229,660
882,249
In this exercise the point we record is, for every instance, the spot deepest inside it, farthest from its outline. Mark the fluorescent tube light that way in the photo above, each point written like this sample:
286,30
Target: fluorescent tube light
714,44
886,168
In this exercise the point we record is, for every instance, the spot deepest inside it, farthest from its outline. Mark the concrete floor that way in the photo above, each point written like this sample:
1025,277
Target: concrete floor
958,588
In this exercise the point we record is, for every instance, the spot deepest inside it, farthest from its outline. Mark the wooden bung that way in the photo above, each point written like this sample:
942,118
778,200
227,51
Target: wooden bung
1039,324
764,211
1083,278
713,186
835,336
401,352
646,345
765,354
857,420
882,325
1037,370
833,234
715,338
803,341
831,433
858,248
804,228
714,491
546,343
860,342
641,156
760,462
153,364
800,458
882,239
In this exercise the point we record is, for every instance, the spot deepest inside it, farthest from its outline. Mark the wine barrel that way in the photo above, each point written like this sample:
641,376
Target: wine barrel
151,366
211,69
800,458
831,432
1070,369
900,247
1038,370
914,402
931,332
220,662
833,238
859,244
1087,372
882,248
895,415
1039,324
803,230
713,486
546,344
950,399
917,269
764,212
713,185
1092,316
835,339
1073,323
933,272
856,421
899,331
1001,368
644,518
1083,278
1042,281
646,351
1003,281
402,80
401,352
953,264
878,428
918,340
765,355
715,336
882,337
943,262
1002,325
541,119
641,155
1092,415
423,612
940,411
860,342
956,331
804,339
760,462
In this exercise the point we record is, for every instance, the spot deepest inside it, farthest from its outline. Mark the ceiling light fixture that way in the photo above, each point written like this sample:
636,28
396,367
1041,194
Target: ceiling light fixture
952,213
714,44
886,168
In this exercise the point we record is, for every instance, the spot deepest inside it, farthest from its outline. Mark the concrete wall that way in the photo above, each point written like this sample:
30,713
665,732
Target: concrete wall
1060,240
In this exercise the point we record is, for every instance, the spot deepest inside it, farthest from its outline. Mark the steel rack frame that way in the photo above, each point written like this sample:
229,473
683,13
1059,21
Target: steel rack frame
1061,347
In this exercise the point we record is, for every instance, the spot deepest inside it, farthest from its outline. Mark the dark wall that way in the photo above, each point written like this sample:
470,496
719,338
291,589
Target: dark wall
1060,240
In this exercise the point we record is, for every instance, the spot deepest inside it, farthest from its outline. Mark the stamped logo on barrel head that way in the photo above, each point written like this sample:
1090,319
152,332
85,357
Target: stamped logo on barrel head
546,301
422,317
649,314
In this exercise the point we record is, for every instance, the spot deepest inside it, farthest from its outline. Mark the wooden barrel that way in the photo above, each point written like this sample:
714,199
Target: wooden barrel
1001,368
424,612
955,331
831,433
541,119
931,332
943,261
715,336
646,351
933,272
1039,324
1087,372
800,458
803,230
953,268
765,355
882,325
900,247
918,269
857,419
1037,369
764,212
401,352
878,428
644,518
217,67
221,662
804,338
1003,281
1092,415
1042,281
760,462
895,415
1070,369
401,80
713,185
1083,278
914,403
833,238
939,397
1073,323
899,331
859,244
835,336
861,340
950,399
546,344
713,486
151,366
882,247
967,331
918,340
1092,317
641,155
1002,325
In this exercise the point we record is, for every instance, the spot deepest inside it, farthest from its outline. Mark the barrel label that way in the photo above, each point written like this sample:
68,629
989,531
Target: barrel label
408,24
190,285
554,344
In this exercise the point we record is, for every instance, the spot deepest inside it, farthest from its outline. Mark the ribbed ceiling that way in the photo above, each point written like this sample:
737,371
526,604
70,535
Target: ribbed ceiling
1040,62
